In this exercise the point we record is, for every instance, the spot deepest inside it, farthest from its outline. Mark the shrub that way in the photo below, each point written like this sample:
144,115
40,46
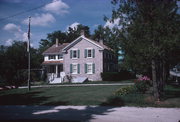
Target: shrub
142,84
124,90
117,76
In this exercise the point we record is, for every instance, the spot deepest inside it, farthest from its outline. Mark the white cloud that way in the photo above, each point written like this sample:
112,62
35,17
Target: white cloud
73,26
12,27
41,20
57,7
17,32
111,24
25,36
9,42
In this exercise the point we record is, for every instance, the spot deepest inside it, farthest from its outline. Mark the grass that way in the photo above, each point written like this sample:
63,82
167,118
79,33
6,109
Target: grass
87,82
87,95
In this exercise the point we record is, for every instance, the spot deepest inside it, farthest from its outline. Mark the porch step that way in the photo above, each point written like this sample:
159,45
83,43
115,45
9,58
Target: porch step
56,80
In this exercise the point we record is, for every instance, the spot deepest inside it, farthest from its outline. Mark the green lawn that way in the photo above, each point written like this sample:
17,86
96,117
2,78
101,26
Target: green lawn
87,95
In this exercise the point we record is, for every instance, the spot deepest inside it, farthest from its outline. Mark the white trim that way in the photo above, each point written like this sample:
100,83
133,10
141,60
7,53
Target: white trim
83,37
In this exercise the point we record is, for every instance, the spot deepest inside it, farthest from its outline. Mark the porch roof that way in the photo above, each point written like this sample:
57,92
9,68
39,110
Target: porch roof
52,62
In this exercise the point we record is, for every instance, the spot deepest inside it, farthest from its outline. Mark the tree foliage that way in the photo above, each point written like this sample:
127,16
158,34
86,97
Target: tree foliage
14,62
149,34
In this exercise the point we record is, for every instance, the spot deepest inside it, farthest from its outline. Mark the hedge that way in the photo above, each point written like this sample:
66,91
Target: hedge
117,76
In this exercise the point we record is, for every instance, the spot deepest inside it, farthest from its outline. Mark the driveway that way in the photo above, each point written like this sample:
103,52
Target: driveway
89,113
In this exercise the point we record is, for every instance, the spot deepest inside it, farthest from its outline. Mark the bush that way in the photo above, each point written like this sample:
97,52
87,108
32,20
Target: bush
117,76
142,84
124,90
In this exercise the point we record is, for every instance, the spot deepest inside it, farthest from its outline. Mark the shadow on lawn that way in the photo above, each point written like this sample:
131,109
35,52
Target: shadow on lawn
53,113
29,98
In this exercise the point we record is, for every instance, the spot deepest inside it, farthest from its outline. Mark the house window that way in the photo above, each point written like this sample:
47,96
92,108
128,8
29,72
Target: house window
52,57
89,68
75,68
74,54
60,56
89,53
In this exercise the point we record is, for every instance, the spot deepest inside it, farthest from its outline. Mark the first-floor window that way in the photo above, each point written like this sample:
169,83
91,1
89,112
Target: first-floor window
75,68
89,68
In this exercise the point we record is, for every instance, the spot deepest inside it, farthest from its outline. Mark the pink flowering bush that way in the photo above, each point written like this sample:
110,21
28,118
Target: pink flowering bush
142,84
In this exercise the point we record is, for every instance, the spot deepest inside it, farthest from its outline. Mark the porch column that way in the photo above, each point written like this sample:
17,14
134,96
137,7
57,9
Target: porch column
56,70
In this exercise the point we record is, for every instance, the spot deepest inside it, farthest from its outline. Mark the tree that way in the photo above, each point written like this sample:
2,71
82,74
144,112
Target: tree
149,33
108,36
14,62
74,33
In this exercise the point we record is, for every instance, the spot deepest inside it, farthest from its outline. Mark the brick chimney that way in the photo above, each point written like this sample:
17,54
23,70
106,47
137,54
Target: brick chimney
101,41
82,33
57,42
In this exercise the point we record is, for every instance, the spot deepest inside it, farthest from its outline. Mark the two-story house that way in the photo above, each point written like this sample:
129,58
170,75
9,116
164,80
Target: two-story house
82,58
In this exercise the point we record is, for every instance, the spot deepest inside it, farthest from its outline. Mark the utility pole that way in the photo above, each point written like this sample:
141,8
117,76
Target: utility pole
29,57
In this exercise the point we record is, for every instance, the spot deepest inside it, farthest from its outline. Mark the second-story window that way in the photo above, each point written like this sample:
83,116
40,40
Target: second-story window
89,53
52,57
60,56
75,53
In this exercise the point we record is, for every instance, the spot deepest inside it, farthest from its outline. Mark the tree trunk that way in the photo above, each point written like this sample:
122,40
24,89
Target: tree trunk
159,76
154,79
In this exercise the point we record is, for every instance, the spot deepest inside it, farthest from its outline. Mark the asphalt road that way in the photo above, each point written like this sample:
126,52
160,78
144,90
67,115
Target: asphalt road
88,113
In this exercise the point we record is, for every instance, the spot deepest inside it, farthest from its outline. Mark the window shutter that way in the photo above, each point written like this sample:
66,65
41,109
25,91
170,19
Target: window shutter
70,68
78,68
85,68
93,51
85,53
93,67
70,53
78,53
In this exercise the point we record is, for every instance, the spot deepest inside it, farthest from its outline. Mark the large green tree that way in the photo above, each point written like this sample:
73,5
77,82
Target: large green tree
14,62
149,33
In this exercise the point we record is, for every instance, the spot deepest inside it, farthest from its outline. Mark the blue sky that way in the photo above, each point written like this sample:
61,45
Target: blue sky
54,15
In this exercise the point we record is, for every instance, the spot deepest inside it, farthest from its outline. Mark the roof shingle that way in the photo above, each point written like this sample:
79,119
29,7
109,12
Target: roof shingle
55,50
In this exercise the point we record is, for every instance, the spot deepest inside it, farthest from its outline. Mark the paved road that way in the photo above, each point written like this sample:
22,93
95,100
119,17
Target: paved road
89,113
106,84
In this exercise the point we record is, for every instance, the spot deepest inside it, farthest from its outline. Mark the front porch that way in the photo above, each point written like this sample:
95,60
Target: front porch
55,73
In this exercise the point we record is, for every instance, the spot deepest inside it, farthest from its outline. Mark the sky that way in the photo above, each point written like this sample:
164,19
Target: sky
48,16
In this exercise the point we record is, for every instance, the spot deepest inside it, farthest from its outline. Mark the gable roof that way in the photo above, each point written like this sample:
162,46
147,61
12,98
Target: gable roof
98,44
55,50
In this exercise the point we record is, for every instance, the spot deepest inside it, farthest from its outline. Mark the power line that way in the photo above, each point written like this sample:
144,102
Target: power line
23,12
